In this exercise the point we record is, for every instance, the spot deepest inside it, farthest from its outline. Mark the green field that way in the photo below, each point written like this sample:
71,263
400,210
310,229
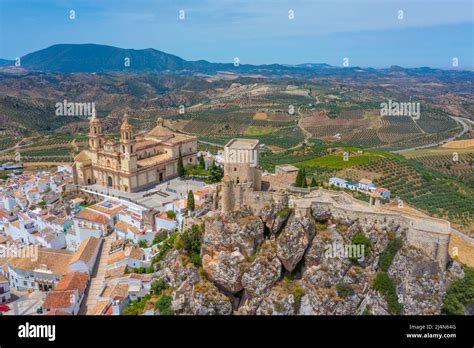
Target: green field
337,161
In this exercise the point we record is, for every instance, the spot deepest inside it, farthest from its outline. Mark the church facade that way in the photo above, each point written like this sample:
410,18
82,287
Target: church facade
133,163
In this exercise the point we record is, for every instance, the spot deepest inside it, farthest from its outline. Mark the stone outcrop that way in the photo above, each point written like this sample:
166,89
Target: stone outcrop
176,269
293,241
264,271
228,242
225,269
324,264
419,280
274,262
274,216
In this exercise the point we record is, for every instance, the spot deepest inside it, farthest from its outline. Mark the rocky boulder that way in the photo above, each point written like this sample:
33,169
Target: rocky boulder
293,241
176,268
274,216
326,261
281,300
225,269
232,231
201,299
420,282
321,214
264,271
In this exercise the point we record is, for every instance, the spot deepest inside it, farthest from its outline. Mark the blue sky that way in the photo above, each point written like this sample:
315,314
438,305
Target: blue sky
368,32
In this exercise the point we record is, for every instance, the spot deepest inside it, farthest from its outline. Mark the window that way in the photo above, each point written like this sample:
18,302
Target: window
235,169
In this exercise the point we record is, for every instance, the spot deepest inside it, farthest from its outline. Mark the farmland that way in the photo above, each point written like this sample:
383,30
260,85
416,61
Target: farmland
426,189
337,161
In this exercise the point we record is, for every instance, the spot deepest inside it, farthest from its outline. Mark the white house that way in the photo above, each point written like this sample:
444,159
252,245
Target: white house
90,223
9,202
4,290
41,271
366,185
337,182
68,294
48,238
85,257
131,256
164,221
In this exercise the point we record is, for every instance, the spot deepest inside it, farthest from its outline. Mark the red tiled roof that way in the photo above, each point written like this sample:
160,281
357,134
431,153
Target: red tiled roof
59,299
90,215
72,281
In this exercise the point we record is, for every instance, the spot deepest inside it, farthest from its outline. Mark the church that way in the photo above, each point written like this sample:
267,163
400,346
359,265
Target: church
135,162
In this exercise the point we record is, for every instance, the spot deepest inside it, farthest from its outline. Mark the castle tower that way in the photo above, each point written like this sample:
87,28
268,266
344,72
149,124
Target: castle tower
127,147
241,162
227,194
95,132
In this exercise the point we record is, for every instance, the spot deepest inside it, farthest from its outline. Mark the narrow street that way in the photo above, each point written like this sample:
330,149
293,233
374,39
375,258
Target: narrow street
98,278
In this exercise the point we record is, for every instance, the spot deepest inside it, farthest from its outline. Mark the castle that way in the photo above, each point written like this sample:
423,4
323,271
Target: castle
241,187
134,162
241,173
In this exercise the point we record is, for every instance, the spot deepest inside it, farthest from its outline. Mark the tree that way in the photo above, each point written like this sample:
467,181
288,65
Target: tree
142,243
215,173
171,214
202,164
164,305
300,178
314,183
190,204
158,286
181,169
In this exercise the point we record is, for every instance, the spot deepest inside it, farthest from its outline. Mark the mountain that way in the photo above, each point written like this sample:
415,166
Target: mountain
6,62
90,58
93,58
100,58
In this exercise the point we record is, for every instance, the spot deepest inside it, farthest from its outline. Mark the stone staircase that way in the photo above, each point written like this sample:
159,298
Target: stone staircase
98,280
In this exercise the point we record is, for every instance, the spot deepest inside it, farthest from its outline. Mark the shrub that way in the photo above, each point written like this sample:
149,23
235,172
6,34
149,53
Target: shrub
160,236
164,305
298,293
360,239
460,293
385,285
191,239
158,286
386,257
283,213
344,290
171,214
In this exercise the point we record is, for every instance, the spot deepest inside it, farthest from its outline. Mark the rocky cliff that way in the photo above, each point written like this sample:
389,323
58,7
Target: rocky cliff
276,263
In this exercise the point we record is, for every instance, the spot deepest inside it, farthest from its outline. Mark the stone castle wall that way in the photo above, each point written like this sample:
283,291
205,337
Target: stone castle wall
429,234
